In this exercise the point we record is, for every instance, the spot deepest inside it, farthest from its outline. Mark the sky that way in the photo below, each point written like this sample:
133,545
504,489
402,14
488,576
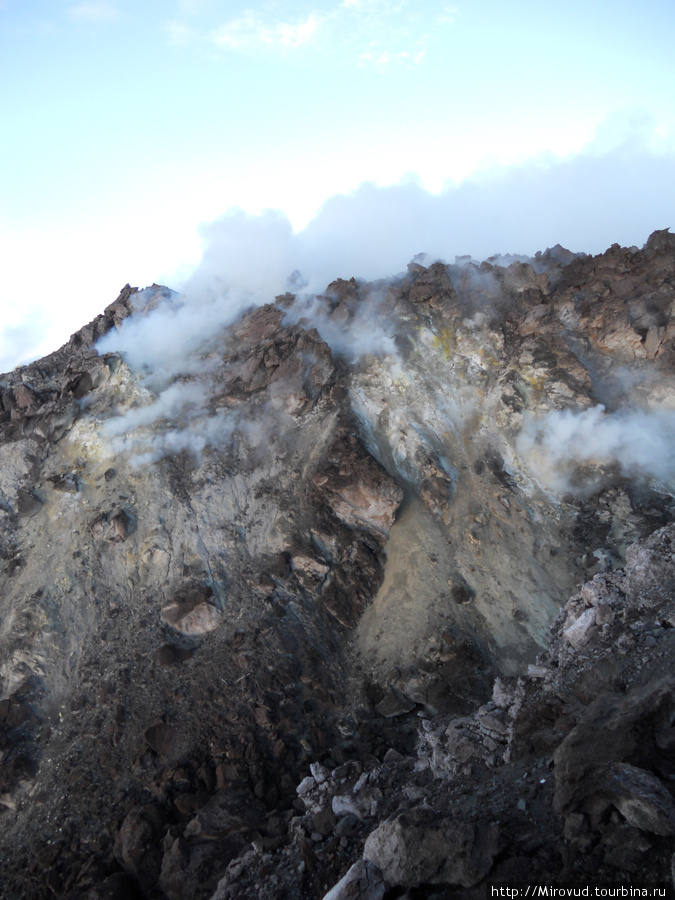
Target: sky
341,137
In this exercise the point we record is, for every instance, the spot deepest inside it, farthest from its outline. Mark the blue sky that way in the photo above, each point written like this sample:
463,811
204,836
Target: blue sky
468,128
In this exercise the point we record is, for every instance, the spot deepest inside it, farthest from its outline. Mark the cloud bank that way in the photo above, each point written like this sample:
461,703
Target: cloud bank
367,32
586,203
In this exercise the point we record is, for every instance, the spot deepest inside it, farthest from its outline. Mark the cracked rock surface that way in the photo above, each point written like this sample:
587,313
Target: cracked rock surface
297,621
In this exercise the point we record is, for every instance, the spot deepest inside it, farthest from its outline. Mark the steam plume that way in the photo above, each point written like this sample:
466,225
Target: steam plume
372,234
640,441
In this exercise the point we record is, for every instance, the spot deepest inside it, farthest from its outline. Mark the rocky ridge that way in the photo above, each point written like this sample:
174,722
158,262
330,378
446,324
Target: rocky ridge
252,649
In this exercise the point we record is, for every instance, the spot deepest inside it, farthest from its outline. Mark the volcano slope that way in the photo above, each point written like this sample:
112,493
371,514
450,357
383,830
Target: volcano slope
286,610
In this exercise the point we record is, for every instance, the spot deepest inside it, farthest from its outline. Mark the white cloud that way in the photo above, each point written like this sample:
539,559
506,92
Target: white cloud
295,35
178,33
447,15
18,342
92,12
365,32
586,202
383,34
250,31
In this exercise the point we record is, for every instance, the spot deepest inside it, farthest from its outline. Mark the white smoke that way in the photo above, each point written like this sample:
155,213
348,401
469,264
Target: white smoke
367,333
640,442
244,256
172,334
192,433
170,421
614,191
247,261
173,402
586,202
178,419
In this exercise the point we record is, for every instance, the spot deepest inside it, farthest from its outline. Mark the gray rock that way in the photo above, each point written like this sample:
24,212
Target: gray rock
344,805
28,503
113,526
114,887
254,555
167,740
306,785
641,798
392,756
320,773
137,848
578,632
363,881
324,821
346,825
192,618
419,848
395,704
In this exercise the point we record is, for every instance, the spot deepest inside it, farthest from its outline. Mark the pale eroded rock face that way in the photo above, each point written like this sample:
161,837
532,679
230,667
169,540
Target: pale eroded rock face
289,556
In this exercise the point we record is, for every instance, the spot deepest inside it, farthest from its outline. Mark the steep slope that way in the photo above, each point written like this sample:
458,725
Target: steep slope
333,519
564,775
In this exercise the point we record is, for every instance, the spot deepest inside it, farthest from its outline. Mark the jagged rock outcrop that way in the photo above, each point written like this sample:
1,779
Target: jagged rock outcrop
275,619
564,775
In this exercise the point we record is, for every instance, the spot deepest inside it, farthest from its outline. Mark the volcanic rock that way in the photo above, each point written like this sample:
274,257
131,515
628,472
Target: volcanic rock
362,882
323,609
421,847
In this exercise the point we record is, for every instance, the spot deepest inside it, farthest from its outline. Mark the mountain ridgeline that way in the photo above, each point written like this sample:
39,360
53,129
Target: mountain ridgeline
362,595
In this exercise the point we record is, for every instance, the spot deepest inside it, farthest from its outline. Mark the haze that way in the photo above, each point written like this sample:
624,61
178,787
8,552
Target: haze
373,130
